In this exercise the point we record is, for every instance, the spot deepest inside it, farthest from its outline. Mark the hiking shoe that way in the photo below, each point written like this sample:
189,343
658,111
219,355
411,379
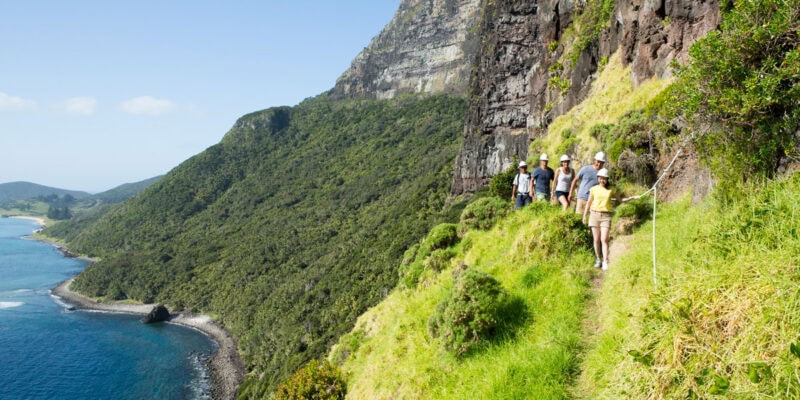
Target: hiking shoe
597,263
605,265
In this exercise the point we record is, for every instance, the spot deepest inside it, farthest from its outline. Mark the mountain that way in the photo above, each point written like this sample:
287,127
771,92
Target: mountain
428,47
302,218
125,191
286,230
12,191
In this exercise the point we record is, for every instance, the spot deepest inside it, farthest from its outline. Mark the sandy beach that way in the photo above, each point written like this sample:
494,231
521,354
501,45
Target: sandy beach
227,369
39,221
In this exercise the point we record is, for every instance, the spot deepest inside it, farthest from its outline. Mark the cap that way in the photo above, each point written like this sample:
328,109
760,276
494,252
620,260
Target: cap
603,173
522,164
565,158
600,156
543,157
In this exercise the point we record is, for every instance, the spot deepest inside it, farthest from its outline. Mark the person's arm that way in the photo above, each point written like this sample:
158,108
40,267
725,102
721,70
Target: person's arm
553,186
572,187
514,192
588,205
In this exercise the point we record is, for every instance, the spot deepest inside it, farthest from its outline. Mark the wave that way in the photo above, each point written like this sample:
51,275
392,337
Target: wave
10,304
200,385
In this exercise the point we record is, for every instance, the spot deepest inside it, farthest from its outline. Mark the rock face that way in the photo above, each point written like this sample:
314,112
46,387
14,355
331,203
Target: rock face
511,101
159,313
428,47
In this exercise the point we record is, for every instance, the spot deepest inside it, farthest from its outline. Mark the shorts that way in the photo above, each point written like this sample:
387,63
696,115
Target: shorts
581,206
522,200
598,219
542,196
560,193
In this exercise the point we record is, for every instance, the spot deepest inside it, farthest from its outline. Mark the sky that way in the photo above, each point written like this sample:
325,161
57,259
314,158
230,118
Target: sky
94,94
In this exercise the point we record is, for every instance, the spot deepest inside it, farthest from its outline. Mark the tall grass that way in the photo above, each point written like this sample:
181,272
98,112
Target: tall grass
726,312
542,259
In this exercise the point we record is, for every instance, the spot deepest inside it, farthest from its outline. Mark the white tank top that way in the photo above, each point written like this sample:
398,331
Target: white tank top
564,180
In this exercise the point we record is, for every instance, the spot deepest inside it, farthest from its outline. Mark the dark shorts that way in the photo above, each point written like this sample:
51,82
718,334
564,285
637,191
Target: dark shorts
523,200
560,193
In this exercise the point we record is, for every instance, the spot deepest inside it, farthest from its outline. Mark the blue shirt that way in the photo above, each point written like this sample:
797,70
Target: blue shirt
543,178
588,178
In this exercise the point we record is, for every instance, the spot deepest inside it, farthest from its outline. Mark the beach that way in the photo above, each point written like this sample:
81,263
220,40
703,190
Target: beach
227,369
39,221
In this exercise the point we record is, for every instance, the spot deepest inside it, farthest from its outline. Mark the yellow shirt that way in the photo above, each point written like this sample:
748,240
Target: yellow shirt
601,199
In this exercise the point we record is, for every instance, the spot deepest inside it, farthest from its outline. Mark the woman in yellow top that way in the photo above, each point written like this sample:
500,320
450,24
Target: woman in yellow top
599,208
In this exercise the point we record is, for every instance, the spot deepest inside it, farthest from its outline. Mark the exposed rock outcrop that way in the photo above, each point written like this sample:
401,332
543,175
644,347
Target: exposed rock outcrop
428,47
159,313
512,100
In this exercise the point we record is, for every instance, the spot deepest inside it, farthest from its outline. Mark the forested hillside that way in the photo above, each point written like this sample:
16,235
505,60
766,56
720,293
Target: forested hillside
288,229
26,191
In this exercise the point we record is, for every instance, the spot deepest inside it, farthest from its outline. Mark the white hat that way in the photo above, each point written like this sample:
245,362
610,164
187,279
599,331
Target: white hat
564,158
603,173
543,157
522,164
600,156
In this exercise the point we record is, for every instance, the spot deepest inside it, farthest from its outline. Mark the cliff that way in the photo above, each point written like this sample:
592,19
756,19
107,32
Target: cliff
537,60
428,47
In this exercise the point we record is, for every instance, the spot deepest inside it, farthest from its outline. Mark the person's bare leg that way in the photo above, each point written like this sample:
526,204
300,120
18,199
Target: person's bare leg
604,240
564,202
597,242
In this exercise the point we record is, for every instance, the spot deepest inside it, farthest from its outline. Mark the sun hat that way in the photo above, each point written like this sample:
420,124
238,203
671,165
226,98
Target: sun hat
600,156
522,164
543,157
565,158
603,173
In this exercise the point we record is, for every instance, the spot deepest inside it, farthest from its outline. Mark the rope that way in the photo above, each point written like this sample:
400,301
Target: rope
654,190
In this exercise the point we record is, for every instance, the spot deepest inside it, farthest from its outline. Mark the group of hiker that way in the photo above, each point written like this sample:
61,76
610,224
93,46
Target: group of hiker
594,195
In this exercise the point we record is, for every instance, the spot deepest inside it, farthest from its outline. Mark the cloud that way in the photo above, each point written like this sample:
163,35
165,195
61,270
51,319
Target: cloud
82,105
148,105
14,103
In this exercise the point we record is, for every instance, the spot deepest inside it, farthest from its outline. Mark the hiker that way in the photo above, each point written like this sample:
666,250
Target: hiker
543,179
522,186
588,177
563,178
599,208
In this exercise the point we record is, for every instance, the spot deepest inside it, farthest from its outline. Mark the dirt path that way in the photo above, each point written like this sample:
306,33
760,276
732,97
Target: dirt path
591,327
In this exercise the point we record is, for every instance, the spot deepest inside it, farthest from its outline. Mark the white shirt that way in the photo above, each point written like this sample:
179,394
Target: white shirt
523,183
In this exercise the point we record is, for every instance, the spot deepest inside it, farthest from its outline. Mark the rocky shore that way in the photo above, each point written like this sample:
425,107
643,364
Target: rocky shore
227,369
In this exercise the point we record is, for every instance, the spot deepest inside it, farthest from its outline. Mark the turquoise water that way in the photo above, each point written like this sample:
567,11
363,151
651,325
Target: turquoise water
48,352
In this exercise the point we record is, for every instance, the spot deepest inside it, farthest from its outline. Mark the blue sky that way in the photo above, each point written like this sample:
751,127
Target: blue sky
98,93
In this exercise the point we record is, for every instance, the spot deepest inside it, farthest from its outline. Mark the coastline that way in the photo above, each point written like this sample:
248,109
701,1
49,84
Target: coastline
38,220
226,368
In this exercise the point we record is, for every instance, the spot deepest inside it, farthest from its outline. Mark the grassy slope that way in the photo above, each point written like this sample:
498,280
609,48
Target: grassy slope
535,353
727,305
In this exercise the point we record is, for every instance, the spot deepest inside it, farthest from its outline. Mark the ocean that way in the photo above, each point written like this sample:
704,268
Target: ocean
48,352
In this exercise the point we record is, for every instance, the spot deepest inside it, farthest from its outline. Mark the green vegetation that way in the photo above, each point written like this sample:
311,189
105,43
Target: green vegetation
741,90
726,313
288,229
528,338
430,254
501,184
484,213
125,191
27,191
316,381
469,314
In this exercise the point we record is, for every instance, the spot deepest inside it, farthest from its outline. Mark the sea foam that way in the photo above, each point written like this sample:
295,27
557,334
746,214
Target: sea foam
10,304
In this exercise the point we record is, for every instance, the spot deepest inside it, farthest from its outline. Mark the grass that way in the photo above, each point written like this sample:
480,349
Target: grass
612,96
725,315
534,354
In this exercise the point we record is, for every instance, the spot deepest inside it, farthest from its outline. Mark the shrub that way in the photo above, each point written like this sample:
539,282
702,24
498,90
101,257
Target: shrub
439,259
501,184
560,233
484,213
469,313
316,381
440,237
